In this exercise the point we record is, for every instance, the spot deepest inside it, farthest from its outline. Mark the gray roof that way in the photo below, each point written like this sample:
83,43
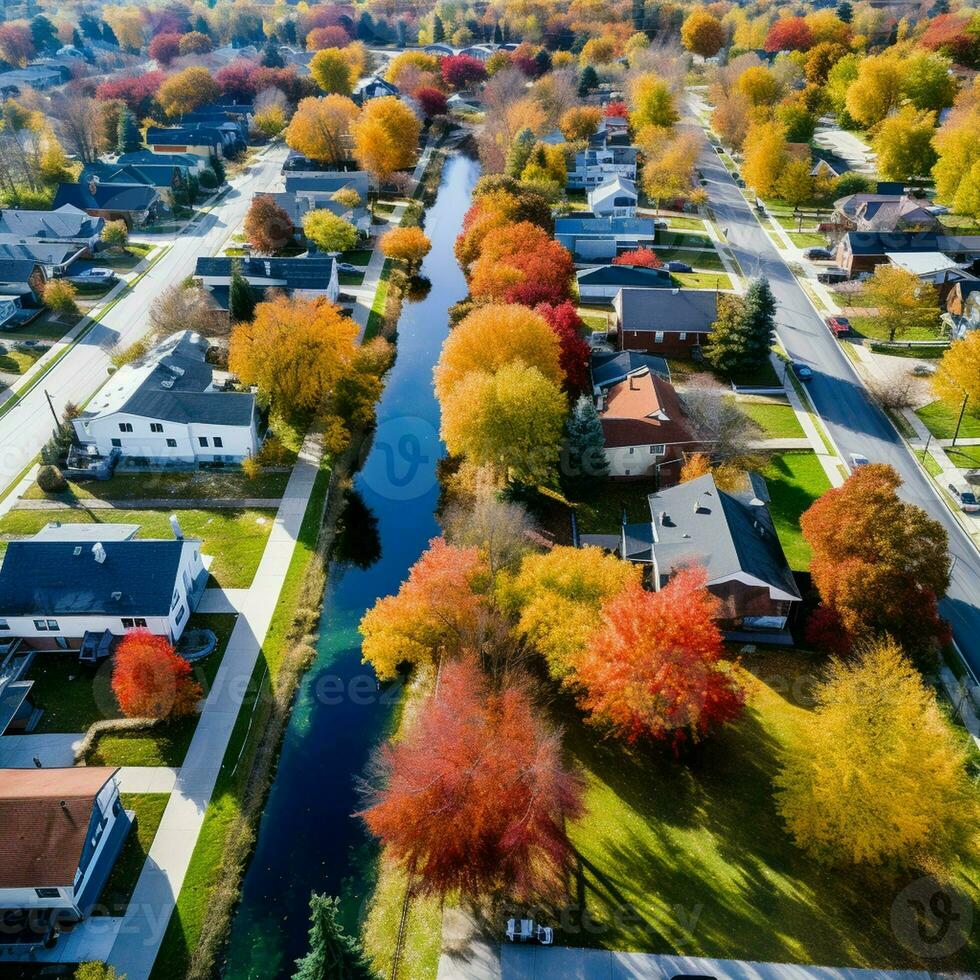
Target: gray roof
64,223
697,522
671,309
16,270
182,137
48,578
138,157
45,253
107,196
589,225
624,275
609,368
294,273
325,182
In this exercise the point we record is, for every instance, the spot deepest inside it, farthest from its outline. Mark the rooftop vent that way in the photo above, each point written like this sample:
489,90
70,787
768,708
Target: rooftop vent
98,552
701,504
77,551
168,383
116,596
665,520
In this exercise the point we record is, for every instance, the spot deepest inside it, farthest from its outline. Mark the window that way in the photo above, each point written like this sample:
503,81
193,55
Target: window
173,602
657,450
203,441
631,450
40,625
140,623
125,426
156,427
180,615
4,625
172,443
116,442
217,442
47,893
53,625
129,624
658,337
682,335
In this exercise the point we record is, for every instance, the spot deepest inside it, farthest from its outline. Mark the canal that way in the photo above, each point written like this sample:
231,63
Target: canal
308,840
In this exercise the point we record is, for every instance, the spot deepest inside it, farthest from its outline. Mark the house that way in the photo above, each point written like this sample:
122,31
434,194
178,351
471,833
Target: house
136,204
596,165
616,198
593,239
168,408
555,138
24,278
665,321
962,308
230,135
932,267
185,161
825,168
883,212
14,82
72,584
439,50
166,179
861,251
643,426
733,537
201,143
67,224
322,185
306,277
297,204
373,87
481,52
610,367
56,258
61,832
601,283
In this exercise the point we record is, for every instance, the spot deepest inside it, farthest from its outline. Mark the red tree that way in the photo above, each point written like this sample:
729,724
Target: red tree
951,34
268,227
237,79
16,43
617,110
522,263
644,257
168,21
431,100
287,81
137,91
150,680
574,351
653,666
523,58
332,36
789,34
475,798
164,48
462,70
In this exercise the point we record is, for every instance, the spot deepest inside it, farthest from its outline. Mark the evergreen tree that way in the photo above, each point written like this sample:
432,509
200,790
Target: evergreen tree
401,33
519,153
288,35
109,35
241,302
332,953
587,80
77,40
742,336
128,138
90,27
218,167
638,14
202,26
365,27
845,11
498,34
438,31
271,58
584,463
44,34
542,60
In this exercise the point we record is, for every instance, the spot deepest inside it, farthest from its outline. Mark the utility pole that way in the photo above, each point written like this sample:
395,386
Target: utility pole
54,414
959,421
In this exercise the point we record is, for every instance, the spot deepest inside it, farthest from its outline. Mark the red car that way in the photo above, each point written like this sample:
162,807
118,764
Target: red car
839,326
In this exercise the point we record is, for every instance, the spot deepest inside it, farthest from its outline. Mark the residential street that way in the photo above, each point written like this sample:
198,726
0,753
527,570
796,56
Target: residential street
855,423
26,427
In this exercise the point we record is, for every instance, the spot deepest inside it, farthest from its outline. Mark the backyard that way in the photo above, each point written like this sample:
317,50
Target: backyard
940,419
162,484
795,480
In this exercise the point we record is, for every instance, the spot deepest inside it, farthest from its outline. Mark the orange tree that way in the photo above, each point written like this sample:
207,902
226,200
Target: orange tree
321,128
386,137
150,680
267,226
409,245
187,90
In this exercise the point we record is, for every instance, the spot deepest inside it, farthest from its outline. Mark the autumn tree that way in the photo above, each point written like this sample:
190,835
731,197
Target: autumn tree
81,126
268,227
331,70
726,474
789,34
503,203
877,89
904,302
653,665
546,166
386,137
959,372
652,102
903,144
644,258
328,231
60,297
742,337
879,564
432,101
702,33
877,775
16,43
579,122
765,155
759,85
474,798
598,51
573,351
927,80
189,306
420,62
462,70
295,350
320,129
187,90
436,612
150,680
408,245
731,118
115,234
164,48
821,58
331,36
957,169
195,42
796,185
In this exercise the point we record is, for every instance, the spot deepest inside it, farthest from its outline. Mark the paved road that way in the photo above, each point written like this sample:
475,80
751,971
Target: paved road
856,424
27,426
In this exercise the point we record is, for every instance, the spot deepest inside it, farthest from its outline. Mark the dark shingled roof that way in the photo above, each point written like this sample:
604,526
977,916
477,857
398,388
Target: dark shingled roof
668,309
16,270
106,196
608,367
295,273
182,137
625,275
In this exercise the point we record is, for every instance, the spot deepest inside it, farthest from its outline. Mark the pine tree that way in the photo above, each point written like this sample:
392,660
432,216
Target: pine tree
365,27
218,167
241,302
761,310
584,462
128,138
109,35
638,15
332,953
77,40
845,12
498,34
271,58
201,25
519,153
742,336
438,31
401,33
587,80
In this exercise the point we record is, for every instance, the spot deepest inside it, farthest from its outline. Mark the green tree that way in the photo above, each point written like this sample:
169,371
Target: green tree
796,184
588,80
519,153
742,336
217,167
96,970
128,138
584,464
845,11
332,953
904,144
904,302
329,232
438,31
331,70
927,81
241,301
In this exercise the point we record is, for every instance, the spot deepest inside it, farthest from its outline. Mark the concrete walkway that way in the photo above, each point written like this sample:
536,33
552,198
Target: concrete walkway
223,601
152,503
54,751
146,779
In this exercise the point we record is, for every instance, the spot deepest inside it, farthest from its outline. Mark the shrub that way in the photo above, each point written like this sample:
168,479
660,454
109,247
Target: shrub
207,179
59,297
115,234
151,680
50,479
273,452
251,467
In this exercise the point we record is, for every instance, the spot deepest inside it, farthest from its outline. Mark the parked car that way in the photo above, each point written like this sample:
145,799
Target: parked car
348,267
937,209
924,370
524,930
839,326
802,371
719,149
661,223
833,274
739,180
675,266
817,253
965,496
858,459
98,274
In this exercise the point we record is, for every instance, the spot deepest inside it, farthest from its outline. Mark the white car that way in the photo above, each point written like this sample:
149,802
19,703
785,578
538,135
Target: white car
858,459
524,930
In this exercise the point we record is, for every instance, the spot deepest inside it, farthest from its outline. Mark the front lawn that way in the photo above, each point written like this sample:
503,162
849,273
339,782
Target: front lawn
683,239
162,484
357,256
234,537
964,457
126,260
697,260
148,812
940,419
690,855
686,224
807,239
872,327
776,419
795,480
18,361
702,280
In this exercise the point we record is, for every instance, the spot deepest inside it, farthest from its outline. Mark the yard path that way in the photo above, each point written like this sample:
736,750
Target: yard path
147,779
152,503
223,601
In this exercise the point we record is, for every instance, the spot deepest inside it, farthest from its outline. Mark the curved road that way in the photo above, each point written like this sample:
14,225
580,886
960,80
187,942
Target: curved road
855,423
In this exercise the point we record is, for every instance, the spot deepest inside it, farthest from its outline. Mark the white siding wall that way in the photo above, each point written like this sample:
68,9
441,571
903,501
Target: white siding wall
638,460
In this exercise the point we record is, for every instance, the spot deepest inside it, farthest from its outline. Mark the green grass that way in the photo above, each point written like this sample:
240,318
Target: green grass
602,514
162,484
691,856
73,695
869,326
929,463
795,480
806,239
357,256
375,318
682,239
19,361
350,278
776,419
235,538
763,377
940,419
963,457
148,812
697,260
686,224
129,259
702,280
45,327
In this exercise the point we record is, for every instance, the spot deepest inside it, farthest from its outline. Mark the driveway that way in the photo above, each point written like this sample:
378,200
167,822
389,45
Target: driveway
847,146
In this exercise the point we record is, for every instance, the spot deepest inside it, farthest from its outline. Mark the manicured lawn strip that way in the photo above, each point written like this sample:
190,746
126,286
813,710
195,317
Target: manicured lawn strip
683,239
161,484
795,480
350,278
776,419
686,224
357,256
763,377
376,316
806,239
697,260
126,260
691,856
869,326
940,419
18,361
148,812
224,809
964,457
235,538
702,280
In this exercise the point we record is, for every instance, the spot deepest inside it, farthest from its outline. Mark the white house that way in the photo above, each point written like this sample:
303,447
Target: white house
615,198
167,408
61,832
71,584
597,165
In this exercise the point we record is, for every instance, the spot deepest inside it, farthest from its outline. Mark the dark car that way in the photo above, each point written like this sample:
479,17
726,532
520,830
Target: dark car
833,274
802,371
839,326
677,267
818,254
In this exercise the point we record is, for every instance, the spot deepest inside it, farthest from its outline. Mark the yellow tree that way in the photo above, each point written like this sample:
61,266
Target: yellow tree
331,70
409,245
702,33
579,122
510,422
598,51
904,144
959,372
765,151
904,302
295,350
731,118
671,172
492,336
321,128
877,89
652,102
876,774
128,25
759,85
386,137
418,61
187,90
957,169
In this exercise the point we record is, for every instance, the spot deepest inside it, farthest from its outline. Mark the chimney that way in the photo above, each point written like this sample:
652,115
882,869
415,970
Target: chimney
175,524
98,552
93,184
